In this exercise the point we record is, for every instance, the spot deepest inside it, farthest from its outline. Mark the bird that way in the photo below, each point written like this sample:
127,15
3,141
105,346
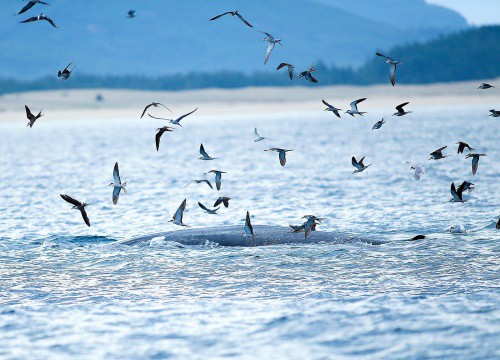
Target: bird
160,133
177,218
302,228
204,155
218,177
475,161
331,108
258,137
378,124
79,206
310,222
484,86
32,118
360,167
438,154
457,194
248,226
495,113
117,184
392,67
42,16
418,170
201,181
354,108
272,43
30,4
401,111
222,200
418,237
153,104
207,210
308,75
176,121
290,69
282,154
462,146
232,13
131,14
467,186
65,74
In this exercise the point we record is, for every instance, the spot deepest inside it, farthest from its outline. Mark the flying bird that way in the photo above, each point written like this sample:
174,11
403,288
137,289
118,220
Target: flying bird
392,67
39,17
32,118
204,155
160,133
418,170
290,69
495,113
378,124
65,74
310,222
331,108
272,43
360,167
467,186
475,161
207,210
302,228
177,218
308,75
176,121
354,108
457,194
117,184
30,4
79,206
401,111
258,137
232,13
153,104
222,200
201,181
131,14
484,86
248,226
462,146
282,154
218,178
438,154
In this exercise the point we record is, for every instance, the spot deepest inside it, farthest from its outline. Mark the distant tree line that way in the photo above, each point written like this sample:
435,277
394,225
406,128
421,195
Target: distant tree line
468,55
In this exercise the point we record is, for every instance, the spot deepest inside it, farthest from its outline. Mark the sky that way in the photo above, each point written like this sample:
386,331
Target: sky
477,12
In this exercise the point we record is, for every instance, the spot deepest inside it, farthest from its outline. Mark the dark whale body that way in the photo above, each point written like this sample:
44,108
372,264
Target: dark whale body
232,236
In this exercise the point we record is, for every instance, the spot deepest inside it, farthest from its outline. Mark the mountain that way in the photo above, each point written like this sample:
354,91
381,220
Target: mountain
172,36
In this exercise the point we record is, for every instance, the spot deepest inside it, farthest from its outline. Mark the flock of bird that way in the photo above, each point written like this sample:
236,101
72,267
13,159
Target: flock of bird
311,221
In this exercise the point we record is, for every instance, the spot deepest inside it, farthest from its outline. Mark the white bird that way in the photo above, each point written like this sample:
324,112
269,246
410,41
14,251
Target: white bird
475,161
78,206
117,184
65,74
248,226
290,69
418,170
457,194
401,111
201,181
272,43
30,4
378,124
218,178
282,154
258,137
438,154
32,118
177,218
207,210
331,108
360,167
38,18
392,67
354,108
176,121
204,155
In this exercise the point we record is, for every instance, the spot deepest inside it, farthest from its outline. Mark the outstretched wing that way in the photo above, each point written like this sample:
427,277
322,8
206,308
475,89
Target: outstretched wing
116,194
225,202
282,65
202,206
475,163
71,200
116,174
203,152
392,71
183,116
354,104
282,156
29,115
241,18
400,109
31,19
158,137
268,53
218,182
221,15
54,25
85,217
158,118
454,193
218,202
28,6
356,164
248,225
180,211
387,57
146,109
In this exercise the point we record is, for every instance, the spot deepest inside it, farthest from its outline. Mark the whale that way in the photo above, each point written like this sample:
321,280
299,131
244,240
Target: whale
234,236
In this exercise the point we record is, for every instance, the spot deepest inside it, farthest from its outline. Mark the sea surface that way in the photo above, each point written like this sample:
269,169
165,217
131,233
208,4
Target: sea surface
66,292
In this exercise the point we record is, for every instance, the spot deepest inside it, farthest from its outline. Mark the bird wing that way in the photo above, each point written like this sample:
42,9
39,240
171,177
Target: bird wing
85,217
461,147
183,116
146,109
66,68
387,57
241,18
282,65
158,137
53,24
475,163
31,19
29,115
218,201
269,37
225,202
268,53
158,118
439,151
326,104
180,211
354,104
116,174
203,152
360,162
202,206
165,107
392,71
282,156
248,225
208,183
218,177
28,6
454,192
356,164
71,200
116,194
400,109
290,71
313,79
256,133
221,15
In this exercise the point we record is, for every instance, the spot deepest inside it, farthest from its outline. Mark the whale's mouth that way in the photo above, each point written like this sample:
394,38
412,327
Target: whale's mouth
264,236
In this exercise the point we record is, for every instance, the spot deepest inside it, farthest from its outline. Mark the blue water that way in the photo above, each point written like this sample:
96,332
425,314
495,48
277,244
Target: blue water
67,292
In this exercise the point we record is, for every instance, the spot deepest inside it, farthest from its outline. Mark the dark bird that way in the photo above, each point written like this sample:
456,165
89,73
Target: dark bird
282,154
438,154
401,111
232,13
308,75
467,186
248,226
462,146
218,178
117,184
201,181
360,167
272,43
418,237
159,134
392,67
290,68
65,74
378,124
153,104
222,200
30,4
331,108
475,161
484,86
204,154
131,14
174,121
354,108
79,206
32,118
39,17
495,113
207,210
456,193
177,218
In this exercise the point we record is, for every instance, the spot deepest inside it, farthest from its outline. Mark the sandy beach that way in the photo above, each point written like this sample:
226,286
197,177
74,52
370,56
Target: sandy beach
64,104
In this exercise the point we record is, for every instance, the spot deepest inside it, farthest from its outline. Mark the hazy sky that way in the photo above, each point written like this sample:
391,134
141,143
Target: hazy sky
476,12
